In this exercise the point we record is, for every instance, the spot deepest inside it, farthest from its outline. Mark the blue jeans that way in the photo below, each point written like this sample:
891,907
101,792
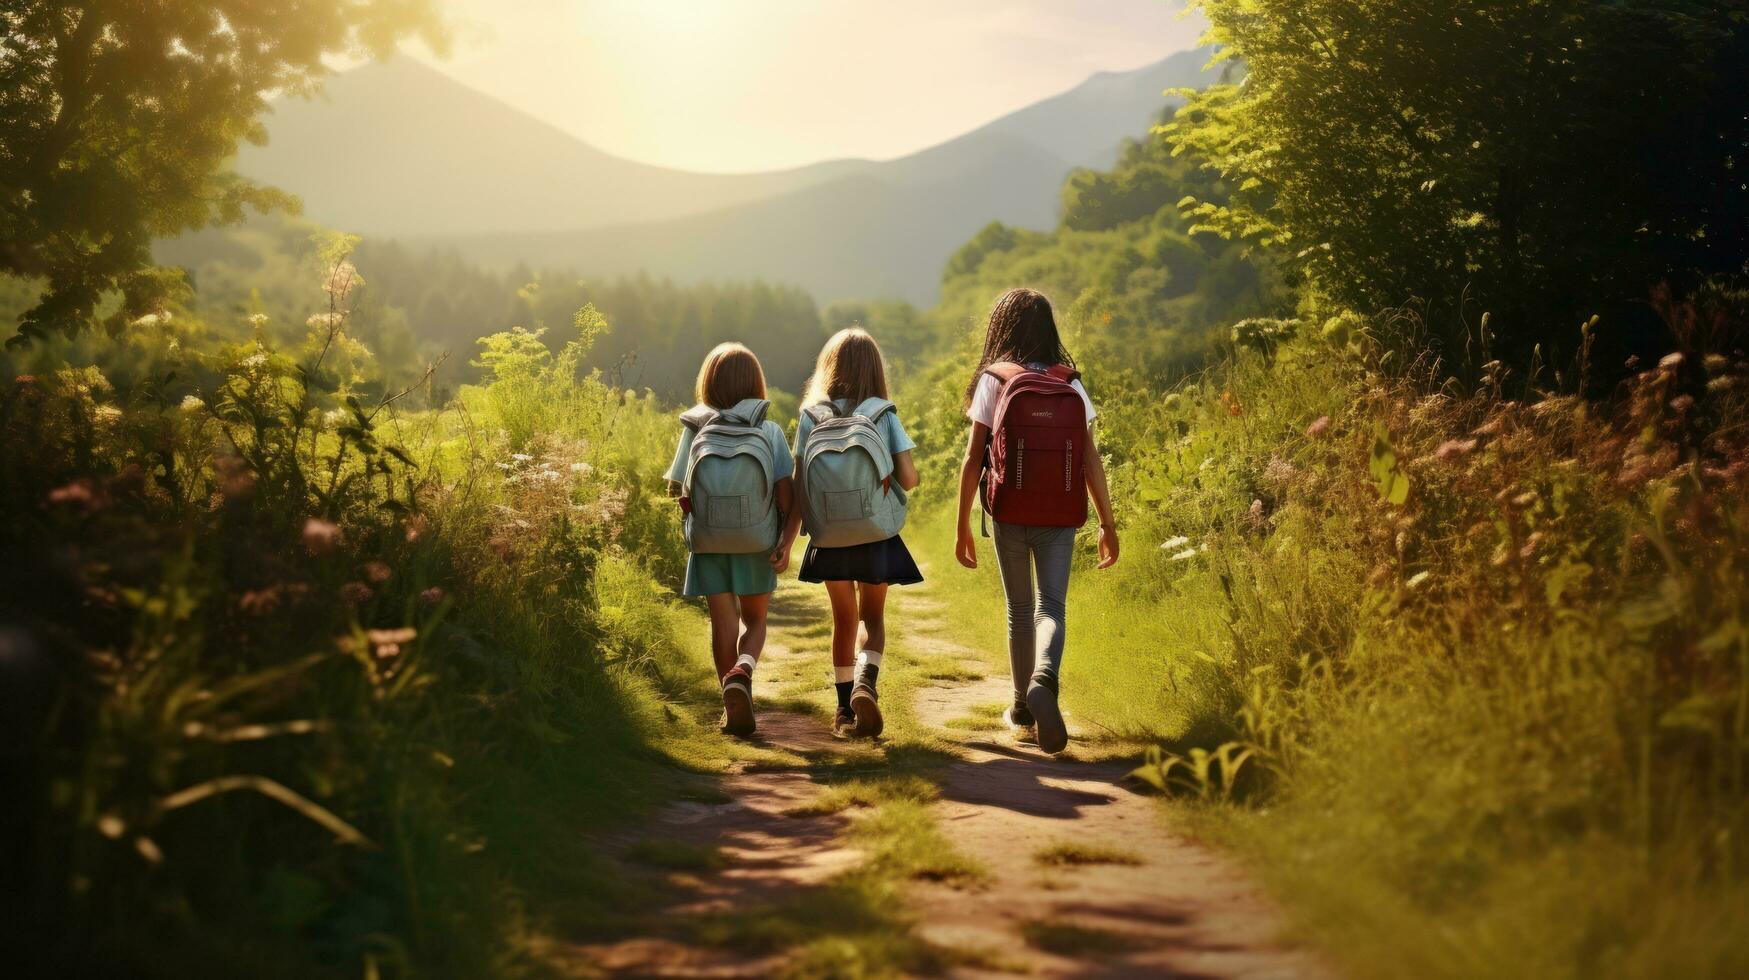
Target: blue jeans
1035,626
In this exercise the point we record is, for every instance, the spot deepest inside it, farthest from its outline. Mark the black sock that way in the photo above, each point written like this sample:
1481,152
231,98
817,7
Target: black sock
843,694
868,673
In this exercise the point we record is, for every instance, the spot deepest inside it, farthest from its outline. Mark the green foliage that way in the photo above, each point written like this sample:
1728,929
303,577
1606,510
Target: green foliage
388,660
1482,155
421,302
116,118
1450,701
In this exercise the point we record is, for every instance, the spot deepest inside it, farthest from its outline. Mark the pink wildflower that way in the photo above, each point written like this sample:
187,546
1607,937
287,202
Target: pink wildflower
320,536
1318,428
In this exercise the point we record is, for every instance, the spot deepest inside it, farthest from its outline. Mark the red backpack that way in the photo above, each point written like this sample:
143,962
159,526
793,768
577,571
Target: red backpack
1035,467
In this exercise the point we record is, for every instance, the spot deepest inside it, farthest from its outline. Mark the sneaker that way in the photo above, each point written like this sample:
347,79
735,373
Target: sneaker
1042,700
738,703
865,706
844,723
1018,714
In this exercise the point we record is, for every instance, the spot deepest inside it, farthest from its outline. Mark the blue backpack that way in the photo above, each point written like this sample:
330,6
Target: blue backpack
729,495
848,494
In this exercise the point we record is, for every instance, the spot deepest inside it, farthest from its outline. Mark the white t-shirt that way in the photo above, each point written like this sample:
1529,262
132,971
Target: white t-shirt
983,406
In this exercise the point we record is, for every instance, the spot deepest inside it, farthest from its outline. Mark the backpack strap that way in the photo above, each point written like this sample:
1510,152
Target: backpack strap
697,417
1005,371
873,408
1064,373
823,411
747,411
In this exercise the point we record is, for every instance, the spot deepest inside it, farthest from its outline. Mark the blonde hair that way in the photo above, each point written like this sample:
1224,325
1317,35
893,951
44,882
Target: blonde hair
850,367
729,374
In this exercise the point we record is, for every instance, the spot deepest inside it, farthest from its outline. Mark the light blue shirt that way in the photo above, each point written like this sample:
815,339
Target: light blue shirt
891,428
782,464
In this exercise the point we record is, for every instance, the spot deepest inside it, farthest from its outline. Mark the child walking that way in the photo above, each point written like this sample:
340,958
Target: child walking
732,473
1026,390
853,467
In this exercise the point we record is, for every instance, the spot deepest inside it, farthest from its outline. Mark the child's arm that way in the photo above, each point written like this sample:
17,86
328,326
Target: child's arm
792,520
1096,487
966,546
905,471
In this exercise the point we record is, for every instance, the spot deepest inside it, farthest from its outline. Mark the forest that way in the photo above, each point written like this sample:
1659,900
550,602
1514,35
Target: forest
339,626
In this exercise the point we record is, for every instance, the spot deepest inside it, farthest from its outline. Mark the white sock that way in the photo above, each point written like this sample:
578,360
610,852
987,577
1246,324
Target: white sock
868,658
843,675
747,660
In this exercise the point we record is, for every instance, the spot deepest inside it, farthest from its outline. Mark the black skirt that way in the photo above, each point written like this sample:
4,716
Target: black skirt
886,562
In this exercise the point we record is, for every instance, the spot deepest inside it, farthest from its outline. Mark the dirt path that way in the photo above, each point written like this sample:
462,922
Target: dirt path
1081,876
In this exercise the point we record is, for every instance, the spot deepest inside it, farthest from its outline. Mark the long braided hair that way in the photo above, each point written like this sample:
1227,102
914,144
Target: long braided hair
1022,329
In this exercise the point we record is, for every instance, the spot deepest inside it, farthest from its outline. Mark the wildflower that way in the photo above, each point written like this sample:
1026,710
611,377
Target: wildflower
387,643
235,478
192,403
1681,403
1279,471
353,593
1670,362
1319,427
521,457
1175,542
1417,580
149,320
256,320
377,572
1725,383
1531,544
254,362
1454,449
333,417
81,493
106,413
1257,509
414,527
340,278
325,321
432,596
320,536
1184,555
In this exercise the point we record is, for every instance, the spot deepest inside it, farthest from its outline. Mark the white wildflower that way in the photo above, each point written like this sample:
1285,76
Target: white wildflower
1177,542
1184,555
255,361
1418,579
256,320
192,403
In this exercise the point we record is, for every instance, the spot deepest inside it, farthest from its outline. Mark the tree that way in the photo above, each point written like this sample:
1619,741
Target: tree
1538,160
117,117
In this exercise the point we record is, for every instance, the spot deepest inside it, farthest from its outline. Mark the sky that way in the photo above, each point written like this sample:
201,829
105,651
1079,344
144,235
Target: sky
743,85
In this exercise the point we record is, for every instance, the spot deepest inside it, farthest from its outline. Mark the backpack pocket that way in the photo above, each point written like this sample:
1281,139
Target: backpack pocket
846,505
727,511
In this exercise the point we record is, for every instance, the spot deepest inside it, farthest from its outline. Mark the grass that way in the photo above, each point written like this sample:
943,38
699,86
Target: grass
1069,939
673,855
1072,854
1478,720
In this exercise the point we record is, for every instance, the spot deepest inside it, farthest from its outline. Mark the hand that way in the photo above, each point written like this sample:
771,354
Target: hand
966,548
1107,546
780,559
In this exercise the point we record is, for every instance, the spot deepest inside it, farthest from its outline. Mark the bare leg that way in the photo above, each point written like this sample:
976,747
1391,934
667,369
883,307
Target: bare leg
872,608
753,611
844,624
725,622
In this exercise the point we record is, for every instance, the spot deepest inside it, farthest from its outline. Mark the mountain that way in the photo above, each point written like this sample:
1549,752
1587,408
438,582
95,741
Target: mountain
398,149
